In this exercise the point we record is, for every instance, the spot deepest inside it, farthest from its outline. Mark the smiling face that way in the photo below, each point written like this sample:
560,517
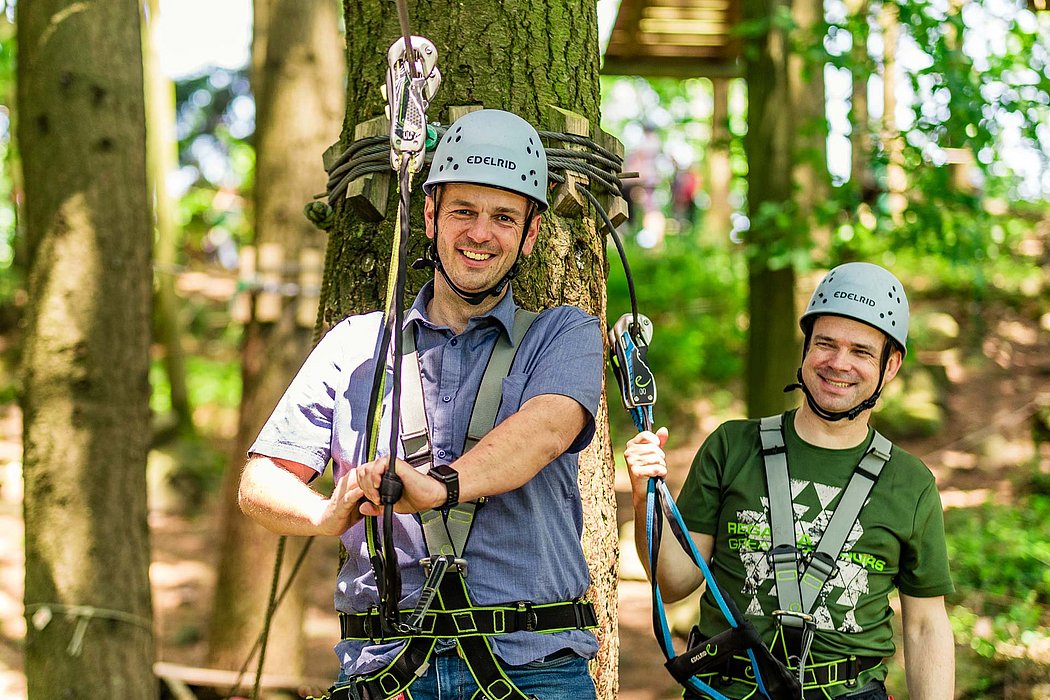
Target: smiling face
479,231
842,363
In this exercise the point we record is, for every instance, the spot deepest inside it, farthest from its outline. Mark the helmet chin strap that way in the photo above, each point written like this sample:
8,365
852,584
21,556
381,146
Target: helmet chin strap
433,259
851,414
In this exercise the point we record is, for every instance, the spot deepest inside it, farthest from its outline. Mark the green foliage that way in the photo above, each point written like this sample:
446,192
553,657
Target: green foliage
1001,565
695,296
209,382
10,274
215,123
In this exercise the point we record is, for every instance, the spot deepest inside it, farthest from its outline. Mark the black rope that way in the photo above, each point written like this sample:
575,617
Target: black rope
391,487
371,155
272,605
265,636
636,326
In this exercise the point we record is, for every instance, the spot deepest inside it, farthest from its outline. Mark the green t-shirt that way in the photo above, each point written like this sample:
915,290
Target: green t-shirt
898,540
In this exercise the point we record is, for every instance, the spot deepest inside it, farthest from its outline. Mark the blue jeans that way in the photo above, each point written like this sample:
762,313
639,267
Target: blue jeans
448,678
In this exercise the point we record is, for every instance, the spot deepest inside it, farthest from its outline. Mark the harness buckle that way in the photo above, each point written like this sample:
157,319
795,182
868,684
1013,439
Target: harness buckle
372,620
783,554
808,623
824,564
577,611
525,617
774,450
455,563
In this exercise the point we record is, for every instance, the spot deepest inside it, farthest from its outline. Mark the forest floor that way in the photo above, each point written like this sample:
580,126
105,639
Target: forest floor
977,456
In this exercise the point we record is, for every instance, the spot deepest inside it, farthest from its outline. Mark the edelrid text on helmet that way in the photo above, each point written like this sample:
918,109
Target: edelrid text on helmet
866,293
493,148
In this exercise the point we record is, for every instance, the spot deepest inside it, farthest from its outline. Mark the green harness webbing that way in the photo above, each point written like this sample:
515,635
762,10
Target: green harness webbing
446,537
798,592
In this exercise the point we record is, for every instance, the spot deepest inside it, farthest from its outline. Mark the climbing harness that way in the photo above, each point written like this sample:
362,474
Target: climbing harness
629,343
800,576
444,609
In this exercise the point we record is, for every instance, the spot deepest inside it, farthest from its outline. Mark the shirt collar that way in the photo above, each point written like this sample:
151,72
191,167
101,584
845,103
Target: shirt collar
502,313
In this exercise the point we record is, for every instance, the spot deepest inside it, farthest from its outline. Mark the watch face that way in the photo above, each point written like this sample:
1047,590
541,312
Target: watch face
444,472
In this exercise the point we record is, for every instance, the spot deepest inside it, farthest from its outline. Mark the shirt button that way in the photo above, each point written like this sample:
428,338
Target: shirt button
454,342
441,453
446,399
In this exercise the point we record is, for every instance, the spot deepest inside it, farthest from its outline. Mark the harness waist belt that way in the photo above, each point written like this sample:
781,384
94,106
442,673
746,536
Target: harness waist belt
476,621
844,671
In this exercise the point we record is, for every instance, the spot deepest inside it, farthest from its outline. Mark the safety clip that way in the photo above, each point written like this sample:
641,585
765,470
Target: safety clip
629,346
526,616
809,628
408,98
435,567
374,625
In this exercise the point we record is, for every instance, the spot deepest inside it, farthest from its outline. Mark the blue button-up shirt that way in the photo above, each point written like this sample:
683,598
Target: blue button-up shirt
525,544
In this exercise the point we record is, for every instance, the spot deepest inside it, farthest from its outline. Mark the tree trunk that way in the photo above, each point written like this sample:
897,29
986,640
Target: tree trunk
861,172
86,390
162,159
717,222
782,137
524,58
892,139
298,88
809,141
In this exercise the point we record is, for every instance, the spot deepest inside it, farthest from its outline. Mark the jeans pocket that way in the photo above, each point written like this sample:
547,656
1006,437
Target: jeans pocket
556,662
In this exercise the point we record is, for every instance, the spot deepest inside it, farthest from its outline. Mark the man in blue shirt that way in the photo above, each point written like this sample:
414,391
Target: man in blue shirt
485,193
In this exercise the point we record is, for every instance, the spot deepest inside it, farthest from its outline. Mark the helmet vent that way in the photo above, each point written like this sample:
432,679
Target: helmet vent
492,148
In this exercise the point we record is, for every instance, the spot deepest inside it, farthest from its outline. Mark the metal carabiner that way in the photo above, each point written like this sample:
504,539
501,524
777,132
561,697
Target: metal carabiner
410,86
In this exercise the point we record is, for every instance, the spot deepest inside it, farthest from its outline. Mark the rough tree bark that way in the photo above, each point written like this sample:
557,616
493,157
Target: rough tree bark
86,390
298,84
780,142
522,57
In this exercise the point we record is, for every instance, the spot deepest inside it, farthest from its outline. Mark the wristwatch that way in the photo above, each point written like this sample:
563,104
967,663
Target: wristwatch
450,478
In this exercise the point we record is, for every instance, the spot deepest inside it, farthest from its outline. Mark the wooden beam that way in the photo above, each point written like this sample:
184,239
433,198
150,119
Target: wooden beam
178,675
368,193
678,67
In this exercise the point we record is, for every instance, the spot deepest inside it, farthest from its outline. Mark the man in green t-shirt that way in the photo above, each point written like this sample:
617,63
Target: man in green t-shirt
835,632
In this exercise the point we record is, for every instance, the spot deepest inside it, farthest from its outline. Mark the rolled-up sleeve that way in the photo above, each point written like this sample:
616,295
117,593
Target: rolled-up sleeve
570,363
300,427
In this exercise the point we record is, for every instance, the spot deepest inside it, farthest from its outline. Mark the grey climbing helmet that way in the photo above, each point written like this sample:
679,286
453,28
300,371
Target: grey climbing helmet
493,148
866,293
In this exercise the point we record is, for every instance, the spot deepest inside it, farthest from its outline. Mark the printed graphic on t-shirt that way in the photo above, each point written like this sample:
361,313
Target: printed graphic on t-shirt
750,537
